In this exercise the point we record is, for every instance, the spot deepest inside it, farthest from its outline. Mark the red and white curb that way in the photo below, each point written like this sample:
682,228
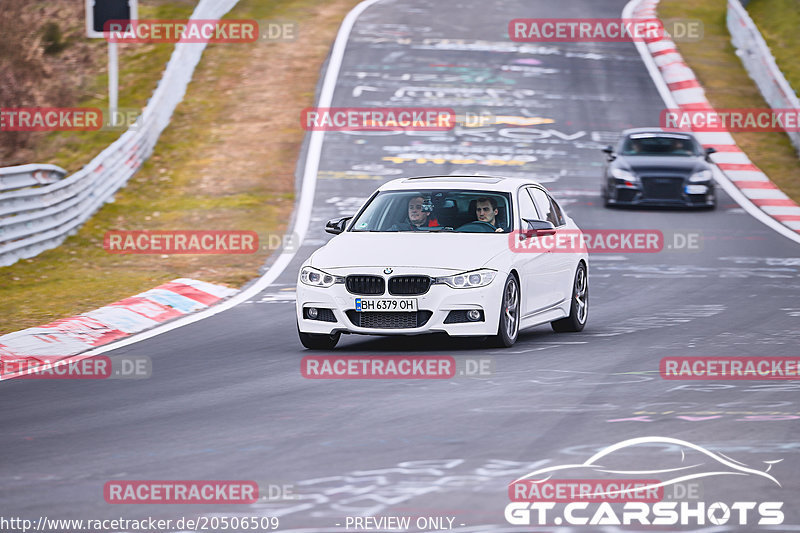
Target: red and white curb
70,336
688,94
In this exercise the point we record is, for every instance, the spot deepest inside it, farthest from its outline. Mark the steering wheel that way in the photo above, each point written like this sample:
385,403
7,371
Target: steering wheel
480,225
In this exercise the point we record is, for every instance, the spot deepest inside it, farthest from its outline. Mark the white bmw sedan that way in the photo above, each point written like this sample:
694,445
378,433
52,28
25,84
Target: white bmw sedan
471,256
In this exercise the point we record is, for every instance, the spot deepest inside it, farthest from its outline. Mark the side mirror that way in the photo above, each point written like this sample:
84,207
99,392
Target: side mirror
538,228
337,226
609,151
710,151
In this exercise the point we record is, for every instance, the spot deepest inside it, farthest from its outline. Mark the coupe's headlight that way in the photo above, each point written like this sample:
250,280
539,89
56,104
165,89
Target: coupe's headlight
623,174
318,278
703,175
468,280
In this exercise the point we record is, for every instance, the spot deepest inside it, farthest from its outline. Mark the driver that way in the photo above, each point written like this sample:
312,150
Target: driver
486,211
419,211
679,146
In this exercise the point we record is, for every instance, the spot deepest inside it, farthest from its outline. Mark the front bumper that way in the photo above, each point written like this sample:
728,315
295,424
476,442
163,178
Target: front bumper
639,194
434,307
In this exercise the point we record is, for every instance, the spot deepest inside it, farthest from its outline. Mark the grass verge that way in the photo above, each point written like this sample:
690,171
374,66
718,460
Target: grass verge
728,85
226,161
140,68
779,21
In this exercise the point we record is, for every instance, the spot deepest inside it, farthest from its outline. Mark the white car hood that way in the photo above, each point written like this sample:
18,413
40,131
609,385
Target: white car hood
452,251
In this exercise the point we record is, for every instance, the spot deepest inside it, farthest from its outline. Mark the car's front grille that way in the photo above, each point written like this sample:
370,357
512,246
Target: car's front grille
409,285
365,284
388,320
663,188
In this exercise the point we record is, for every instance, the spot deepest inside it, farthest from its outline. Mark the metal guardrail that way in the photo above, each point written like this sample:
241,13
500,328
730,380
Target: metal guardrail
760,64
23,176
35,219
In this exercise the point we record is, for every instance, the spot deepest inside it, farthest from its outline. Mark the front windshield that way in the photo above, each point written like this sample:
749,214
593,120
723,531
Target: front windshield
651,144
465,211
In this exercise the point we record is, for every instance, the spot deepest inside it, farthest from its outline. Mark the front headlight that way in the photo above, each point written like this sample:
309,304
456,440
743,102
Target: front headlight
318,278
703,175
469,280
623,174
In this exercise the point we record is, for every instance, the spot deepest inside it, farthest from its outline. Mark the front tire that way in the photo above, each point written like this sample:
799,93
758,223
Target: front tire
313,341
508,325
579,308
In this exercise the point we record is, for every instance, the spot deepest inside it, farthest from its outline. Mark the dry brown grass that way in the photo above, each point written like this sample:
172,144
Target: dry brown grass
226,161
727,85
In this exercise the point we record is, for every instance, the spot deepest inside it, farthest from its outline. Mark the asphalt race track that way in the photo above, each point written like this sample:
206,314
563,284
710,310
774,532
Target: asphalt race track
226,399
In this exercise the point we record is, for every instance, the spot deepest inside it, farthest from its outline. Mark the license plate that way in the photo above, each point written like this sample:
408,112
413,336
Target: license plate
386,304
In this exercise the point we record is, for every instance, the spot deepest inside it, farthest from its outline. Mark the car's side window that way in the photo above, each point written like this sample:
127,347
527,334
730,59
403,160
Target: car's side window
526,208
544,206
556,210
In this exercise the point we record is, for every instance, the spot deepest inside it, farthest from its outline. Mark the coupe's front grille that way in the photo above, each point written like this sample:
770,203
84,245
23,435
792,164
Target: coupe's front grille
387,320
409,285
365,284
663,188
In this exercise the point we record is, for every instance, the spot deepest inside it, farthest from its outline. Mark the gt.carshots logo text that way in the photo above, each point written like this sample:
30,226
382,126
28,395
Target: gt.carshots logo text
377,119
538,498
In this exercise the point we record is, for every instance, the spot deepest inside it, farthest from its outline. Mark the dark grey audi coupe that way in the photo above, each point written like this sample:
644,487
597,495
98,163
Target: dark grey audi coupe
656,167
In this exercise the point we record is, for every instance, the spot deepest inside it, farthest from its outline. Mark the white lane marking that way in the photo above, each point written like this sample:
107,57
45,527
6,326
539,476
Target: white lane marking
302,214
273,297
720,177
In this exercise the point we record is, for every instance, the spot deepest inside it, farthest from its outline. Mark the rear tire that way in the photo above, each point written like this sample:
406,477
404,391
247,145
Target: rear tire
508,325
313,341
579,308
